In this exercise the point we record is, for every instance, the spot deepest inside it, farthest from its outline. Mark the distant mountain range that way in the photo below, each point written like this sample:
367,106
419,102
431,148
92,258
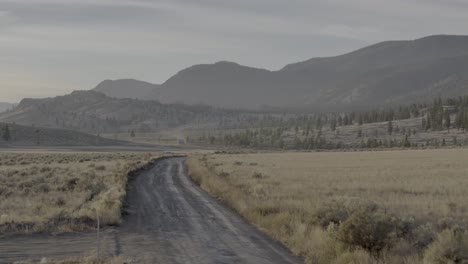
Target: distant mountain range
387,73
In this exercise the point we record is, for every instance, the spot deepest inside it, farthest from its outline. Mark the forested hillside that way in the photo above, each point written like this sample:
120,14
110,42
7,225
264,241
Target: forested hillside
441,123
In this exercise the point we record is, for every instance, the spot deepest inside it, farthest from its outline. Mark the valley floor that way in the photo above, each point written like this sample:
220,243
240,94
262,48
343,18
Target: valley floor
308,200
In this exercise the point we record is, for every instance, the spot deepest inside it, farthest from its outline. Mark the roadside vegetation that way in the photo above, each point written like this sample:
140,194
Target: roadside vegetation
383,207
63,192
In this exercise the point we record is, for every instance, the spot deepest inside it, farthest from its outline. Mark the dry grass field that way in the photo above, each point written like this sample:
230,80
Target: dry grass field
350,207
61,192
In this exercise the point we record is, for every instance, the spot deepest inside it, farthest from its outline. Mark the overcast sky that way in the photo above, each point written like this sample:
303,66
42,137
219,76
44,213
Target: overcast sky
51,47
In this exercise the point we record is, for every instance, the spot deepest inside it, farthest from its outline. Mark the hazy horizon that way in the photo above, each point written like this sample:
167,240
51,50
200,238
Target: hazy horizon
52,47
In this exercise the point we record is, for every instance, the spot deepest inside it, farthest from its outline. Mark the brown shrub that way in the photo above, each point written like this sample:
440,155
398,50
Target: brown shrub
101,168
372,231
423,235
258,175
331,213
450,247
42,188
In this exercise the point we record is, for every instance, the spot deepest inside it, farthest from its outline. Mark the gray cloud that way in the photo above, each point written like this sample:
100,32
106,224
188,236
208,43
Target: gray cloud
50,47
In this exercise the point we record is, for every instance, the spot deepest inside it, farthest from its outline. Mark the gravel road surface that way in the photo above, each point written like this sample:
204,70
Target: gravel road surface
168,220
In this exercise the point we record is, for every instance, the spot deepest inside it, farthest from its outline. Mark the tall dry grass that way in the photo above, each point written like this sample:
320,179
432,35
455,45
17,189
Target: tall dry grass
362,207
62,192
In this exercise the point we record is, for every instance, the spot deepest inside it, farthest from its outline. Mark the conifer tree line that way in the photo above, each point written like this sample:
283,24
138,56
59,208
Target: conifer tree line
436,116
276,130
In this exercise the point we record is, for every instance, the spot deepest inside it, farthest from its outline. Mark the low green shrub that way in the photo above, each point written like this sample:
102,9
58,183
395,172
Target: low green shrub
371,231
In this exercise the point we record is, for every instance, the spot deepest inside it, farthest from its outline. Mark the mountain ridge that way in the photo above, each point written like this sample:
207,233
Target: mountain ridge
380,74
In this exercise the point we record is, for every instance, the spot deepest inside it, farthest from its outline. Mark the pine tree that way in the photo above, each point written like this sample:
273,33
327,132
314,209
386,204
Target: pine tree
359,133
333,124
38,139
390,127
428,123
346,120
406,143
459,119
447,120
6,133
318,124
340,120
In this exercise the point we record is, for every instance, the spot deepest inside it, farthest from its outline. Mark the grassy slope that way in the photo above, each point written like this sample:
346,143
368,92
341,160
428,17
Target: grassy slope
282,193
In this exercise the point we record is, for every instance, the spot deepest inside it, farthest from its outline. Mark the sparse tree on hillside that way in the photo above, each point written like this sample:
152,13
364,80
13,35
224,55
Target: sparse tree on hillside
132,133
37,132
318,124
346,120
428,123
6,133
406,142
459,119
447,120
390,127
333,124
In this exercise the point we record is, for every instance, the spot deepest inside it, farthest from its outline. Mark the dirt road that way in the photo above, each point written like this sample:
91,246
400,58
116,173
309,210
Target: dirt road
169,220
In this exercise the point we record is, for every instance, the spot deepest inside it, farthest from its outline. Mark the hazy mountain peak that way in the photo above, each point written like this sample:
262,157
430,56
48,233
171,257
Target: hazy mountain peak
443,38
127,88
227,63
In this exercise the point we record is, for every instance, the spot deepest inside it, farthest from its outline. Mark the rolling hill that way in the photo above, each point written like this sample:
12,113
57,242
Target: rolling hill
392,72
94,112
39,136
127,88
